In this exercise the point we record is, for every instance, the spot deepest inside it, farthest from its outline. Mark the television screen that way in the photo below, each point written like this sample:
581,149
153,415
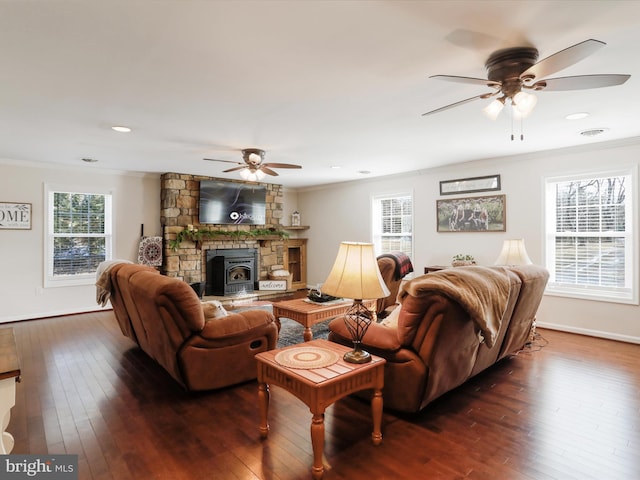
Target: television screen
232,203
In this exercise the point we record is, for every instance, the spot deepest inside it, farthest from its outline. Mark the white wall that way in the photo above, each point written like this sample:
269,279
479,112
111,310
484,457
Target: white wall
290,205
335,213
22,295
342,212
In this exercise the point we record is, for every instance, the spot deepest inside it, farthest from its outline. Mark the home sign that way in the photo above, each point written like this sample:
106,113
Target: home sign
15,216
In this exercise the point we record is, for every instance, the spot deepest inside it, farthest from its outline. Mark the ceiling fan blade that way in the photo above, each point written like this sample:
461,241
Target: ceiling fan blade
268,171
281,165
235,169
226,161
563,59
580,82
461,102
467,80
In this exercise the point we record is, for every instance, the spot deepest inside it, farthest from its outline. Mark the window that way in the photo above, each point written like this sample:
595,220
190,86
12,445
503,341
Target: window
591,244
392,220
79,235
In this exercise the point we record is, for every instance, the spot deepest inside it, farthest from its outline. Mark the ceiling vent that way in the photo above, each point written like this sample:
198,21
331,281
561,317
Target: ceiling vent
593,132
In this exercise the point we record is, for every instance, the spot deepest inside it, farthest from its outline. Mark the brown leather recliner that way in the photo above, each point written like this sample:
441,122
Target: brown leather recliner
391,274
450,326
387,268
165,317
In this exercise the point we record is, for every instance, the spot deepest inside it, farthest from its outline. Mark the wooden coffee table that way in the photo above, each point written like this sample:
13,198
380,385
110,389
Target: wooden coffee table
308,314
318,387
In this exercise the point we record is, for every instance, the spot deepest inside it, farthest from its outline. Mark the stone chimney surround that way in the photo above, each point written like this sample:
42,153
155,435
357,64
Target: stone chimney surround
180,195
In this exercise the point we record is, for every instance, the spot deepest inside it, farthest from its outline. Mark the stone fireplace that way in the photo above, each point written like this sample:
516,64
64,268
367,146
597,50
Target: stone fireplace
180,194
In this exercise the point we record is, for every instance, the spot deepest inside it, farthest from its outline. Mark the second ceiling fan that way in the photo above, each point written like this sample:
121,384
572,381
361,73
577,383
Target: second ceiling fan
512,71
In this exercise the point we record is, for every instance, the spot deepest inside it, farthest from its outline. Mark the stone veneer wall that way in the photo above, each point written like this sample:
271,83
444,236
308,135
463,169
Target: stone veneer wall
180,195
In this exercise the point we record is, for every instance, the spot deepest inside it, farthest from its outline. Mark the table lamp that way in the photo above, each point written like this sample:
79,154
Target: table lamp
513,253
355,274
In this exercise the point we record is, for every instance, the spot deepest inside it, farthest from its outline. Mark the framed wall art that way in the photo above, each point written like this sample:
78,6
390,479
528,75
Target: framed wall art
15,216
472,214
470,185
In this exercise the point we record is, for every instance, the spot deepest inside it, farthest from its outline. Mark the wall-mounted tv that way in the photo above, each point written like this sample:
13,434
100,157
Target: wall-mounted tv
232,203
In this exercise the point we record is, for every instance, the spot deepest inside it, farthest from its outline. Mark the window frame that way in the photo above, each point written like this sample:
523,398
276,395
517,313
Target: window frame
625,295
376,224
51,280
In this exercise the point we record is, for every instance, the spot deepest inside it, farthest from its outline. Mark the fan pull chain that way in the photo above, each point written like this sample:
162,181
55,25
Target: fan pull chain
512,137
521,127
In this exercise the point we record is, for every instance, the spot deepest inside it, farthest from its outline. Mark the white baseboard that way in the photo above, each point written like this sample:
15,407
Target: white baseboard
589,332
55,313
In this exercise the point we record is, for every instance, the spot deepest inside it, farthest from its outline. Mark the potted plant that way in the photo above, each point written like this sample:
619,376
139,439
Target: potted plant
461,260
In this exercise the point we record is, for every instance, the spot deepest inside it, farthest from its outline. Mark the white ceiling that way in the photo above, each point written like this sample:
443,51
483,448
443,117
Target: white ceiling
317,83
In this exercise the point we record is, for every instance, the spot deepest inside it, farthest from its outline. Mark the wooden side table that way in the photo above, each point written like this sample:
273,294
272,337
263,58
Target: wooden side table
9,375
308,314
320,387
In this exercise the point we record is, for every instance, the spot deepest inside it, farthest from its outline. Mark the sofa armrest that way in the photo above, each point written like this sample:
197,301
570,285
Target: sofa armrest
378,337
235,324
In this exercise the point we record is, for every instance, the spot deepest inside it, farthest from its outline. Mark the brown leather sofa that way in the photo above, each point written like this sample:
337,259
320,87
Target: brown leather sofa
165,317
450,326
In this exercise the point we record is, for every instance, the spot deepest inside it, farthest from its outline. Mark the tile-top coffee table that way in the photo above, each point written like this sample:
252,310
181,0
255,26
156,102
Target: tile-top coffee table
308,313
316,373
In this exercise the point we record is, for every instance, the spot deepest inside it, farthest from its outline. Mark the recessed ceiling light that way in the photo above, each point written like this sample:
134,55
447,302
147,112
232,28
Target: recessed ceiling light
336,167
593,132
90,160
121,129
577,116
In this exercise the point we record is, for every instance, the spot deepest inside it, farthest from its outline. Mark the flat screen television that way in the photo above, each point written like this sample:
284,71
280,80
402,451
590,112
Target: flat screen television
226,203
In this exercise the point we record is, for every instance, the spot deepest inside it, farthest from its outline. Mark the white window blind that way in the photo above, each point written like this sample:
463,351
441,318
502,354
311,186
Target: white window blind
79,236
392,221
590,244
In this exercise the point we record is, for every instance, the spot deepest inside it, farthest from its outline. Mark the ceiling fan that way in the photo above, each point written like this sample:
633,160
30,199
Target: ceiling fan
254,166
511,71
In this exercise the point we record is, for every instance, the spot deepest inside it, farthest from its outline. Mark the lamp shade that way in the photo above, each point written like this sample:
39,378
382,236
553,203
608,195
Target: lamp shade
513,253
355,273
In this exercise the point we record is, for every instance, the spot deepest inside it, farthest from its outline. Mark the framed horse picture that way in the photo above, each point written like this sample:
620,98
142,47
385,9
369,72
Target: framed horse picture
472,214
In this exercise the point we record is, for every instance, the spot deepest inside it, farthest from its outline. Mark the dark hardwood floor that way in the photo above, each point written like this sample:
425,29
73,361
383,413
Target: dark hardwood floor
567,408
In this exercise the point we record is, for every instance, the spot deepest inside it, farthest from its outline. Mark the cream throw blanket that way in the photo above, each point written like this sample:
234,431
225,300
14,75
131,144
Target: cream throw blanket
103,280
483,292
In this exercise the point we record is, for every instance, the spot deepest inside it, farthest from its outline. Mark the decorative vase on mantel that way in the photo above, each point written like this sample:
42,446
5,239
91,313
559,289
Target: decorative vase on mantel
295,219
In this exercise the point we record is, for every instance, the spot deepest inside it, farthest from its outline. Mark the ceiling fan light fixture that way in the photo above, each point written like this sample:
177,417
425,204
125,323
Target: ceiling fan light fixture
253,167
524,102
494,108
252,176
